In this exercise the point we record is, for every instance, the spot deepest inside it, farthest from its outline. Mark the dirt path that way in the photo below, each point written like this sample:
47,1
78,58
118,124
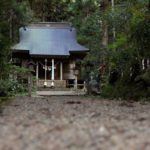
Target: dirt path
74,123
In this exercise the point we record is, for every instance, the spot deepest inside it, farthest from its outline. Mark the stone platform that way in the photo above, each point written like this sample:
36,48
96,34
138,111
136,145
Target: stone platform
60,93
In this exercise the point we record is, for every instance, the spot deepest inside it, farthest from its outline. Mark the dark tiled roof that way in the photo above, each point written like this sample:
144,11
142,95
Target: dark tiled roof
50,39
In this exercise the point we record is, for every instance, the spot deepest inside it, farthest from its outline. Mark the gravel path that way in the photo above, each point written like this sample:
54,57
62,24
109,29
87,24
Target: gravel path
74,123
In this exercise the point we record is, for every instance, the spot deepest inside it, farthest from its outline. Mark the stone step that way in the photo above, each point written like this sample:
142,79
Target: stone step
60,93
54,89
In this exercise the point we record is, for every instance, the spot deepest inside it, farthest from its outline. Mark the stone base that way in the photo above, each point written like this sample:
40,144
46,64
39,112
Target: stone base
50,83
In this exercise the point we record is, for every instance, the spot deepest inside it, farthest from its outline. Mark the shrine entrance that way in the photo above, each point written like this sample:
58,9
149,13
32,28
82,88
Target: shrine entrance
49,70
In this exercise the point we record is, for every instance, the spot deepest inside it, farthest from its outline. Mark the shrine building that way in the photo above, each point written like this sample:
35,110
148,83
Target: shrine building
53,50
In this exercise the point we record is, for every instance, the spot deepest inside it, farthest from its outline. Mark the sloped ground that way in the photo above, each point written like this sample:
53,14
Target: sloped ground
74,123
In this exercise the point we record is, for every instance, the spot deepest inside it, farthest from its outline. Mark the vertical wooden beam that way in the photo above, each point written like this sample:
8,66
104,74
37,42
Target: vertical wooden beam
37,72
53,73
61,71
45,83
76,82
76,78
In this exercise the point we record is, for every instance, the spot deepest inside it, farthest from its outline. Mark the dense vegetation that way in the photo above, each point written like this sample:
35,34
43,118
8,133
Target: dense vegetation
13,14
117,34
129,53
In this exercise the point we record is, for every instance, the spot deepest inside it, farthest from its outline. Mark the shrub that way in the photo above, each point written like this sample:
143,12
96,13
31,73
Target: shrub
11,87
3,88
126,91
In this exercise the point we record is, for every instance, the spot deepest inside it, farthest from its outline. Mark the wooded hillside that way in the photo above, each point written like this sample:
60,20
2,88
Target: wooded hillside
116,31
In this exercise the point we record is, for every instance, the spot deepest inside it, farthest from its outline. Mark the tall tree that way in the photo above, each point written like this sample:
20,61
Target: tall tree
129,53
12,15
104,7
50,10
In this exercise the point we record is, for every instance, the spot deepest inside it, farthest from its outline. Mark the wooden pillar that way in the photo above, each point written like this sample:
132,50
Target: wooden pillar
37,73
76,72
45,82
53,73
61,71
76,82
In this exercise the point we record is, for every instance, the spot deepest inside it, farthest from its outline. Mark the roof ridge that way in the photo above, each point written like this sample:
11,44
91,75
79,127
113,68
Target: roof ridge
51,24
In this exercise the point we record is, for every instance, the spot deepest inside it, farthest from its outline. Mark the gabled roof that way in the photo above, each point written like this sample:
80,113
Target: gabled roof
58,39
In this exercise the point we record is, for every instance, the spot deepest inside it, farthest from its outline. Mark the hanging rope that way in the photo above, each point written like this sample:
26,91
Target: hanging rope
49,67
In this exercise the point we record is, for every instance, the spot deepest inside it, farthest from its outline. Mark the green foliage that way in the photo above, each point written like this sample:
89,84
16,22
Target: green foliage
11,87
50,10
86,17
131,45
120,41
144,78
141,37
12,15
125,91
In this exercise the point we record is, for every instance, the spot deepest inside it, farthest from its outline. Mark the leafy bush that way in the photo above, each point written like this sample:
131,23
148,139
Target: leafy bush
16,87
107,91
3,88
126,91
11,87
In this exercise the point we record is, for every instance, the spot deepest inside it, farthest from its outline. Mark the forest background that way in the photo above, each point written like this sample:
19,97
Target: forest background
117,32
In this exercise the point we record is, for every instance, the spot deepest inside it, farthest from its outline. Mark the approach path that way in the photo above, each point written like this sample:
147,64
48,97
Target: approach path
74,123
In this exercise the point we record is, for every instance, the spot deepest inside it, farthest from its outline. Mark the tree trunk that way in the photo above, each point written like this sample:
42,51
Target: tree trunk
43,12
104,6
113,9
10,26
105,34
